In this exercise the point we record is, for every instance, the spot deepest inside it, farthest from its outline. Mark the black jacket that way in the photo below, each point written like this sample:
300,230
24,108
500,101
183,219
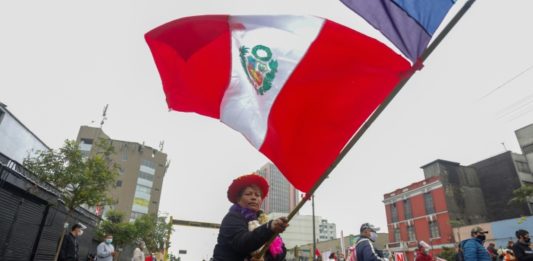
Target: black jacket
522,252
235,242
69,249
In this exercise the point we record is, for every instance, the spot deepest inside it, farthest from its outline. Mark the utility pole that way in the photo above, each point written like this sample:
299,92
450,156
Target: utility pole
314,236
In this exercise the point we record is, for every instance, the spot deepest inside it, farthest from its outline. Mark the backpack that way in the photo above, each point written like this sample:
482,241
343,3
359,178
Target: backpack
461,253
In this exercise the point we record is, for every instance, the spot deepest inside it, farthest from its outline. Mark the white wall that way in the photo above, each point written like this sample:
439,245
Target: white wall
15,140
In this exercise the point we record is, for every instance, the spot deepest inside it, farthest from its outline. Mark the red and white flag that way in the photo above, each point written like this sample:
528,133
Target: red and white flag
297,87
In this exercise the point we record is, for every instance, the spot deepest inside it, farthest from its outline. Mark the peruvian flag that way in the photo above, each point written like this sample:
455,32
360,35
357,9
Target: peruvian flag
297,87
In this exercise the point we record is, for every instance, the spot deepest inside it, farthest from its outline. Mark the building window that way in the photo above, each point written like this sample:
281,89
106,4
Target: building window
428,201
144,189
125,154
523,167
397,236
85,146
407,208
86,141
148,163
394,212
411,233
119,183
134,215
434,229
146,176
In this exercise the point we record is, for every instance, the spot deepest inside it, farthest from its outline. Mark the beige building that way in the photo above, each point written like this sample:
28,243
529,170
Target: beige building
282,196
142,168
302,252
300,231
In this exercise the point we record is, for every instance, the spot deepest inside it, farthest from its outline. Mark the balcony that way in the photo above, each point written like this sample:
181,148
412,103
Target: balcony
397,247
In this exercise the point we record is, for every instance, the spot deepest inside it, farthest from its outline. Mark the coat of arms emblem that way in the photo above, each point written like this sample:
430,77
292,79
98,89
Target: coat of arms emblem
259,67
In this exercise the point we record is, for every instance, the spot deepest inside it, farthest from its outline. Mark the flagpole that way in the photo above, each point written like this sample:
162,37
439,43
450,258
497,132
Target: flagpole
417,66
314,235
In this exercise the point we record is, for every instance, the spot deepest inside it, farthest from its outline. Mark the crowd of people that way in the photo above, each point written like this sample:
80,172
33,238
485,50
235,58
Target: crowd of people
105,251
246,234
473,249
245,230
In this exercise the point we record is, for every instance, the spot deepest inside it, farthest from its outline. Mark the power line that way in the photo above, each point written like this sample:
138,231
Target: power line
507,82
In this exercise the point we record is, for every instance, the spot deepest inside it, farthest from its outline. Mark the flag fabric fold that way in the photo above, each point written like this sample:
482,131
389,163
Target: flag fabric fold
297,87
408,24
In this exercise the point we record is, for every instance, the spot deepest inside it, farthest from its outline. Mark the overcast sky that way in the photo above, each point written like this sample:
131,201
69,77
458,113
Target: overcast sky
62,61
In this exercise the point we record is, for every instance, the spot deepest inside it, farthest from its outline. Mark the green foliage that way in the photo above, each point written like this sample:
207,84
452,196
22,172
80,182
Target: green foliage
148,228
124,233
521,195
153,231
82,181
447,253
456,223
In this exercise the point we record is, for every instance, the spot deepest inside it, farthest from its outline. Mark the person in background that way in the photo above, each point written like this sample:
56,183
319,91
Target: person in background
508,254
422,253
473,249
493,252
105,250
521,249
364,249
70,248
138,252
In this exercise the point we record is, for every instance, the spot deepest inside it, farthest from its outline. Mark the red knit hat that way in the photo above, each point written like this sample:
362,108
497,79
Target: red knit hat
242,182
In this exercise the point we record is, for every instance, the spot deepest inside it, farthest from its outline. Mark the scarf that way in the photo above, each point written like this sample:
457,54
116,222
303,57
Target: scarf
256,219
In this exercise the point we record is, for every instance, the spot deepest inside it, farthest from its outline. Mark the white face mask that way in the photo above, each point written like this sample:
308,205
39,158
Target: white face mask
80,233
373,236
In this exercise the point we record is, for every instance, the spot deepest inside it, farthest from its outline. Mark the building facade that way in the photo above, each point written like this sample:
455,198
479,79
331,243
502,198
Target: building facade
525,140
326,231
142,169
418,212
282,196
499,176
16,140
303,252
300,231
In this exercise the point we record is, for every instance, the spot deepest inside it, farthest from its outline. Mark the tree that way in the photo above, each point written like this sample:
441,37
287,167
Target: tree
447,254
124,233
154,231
81,180
522,194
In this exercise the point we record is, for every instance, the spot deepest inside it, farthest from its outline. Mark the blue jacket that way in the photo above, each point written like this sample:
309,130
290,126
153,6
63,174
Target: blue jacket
365,250
474,251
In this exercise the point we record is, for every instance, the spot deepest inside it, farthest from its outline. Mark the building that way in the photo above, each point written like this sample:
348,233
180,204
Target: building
418,212
464,196
302,252
498,177
452,195
142,168
33,216
282,196
326,231
16,140
449,195
300,231
525,140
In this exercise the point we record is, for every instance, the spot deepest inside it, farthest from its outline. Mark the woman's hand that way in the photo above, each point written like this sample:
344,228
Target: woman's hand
279,225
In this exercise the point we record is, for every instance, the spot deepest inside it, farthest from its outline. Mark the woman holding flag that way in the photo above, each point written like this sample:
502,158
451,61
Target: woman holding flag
245,228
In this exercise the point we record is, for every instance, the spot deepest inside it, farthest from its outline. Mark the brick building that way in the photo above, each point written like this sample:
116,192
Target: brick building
418,212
